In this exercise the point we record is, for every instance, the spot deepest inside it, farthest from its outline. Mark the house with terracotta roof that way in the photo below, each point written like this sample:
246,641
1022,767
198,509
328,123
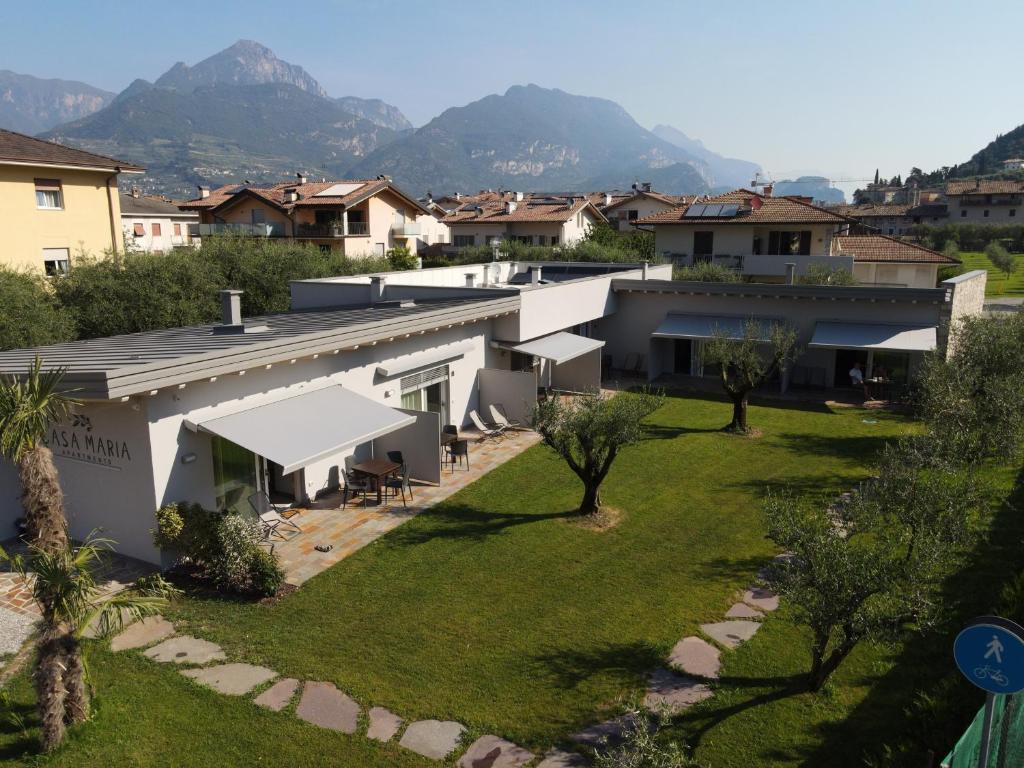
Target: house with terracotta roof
623,209
778,239
56,201
894,218
985,201
534,220
362,217
154,224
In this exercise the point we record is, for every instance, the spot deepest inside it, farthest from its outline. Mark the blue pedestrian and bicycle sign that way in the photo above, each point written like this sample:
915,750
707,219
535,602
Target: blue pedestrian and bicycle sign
990,653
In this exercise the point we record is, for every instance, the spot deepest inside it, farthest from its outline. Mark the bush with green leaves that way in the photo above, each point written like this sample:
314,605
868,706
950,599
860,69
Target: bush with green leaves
223,547
706,272
1001,259
401,258
31,316
822,274
640,747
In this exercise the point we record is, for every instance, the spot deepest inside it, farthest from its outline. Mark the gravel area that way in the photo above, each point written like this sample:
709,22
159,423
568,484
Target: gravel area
14,630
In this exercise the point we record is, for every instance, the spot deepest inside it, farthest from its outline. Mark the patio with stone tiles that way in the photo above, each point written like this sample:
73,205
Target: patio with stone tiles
346,530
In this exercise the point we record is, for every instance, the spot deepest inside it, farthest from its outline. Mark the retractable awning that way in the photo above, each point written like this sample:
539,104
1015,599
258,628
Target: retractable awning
423,360
300,430
559,347
679,326
898,338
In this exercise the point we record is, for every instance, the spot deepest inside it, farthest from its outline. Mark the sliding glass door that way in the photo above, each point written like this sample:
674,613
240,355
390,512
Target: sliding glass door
235,475
427,391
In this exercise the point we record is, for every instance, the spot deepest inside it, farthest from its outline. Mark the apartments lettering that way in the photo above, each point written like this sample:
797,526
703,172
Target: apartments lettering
81,444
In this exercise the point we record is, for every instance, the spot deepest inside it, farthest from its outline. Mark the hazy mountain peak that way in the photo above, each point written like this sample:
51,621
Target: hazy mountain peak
724,171
376,111
32,104
244,63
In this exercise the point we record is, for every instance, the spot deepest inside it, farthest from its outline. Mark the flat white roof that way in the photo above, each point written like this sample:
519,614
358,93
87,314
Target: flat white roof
680,326
299,430
559,347
899,338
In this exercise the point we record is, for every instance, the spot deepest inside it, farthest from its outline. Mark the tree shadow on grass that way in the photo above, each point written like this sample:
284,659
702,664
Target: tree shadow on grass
859,448
18,721
460,521
570,667
758,399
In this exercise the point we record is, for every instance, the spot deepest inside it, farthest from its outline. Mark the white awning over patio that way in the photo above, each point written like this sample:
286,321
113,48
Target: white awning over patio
899,338
297,431
559,347
423,360
679,326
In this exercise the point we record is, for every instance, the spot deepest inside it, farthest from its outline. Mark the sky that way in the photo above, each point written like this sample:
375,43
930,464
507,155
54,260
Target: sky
837,88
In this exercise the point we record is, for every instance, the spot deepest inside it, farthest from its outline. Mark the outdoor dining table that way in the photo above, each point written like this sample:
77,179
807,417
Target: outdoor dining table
378,469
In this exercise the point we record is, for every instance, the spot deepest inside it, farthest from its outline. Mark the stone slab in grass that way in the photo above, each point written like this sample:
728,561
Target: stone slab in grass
696,656
743,611
231,679
435,739
277,696
559,758
185,649
671,693
384,724
761,598
149,630
494,752
324,705
731,633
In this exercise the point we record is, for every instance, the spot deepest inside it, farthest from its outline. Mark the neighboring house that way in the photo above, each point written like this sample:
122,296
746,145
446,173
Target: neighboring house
367,364
883,260
977,201
622,211
154,224
894,218
531,220
1013,164
365,217
56,201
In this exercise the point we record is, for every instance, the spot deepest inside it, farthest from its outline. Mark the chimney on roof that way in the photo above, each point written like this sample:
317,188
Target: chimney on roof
755,203
607,199
471,279
643,270
204,192
535,274
478,210
291,195
487,275
135,191
645,186
231,309
768,190
376,289
458,196
790,273
518,197
300,177
510,206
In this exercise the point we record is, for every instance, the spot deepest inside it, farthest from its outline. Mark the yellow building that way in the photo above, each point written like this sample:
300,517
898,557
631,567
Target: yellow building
56,201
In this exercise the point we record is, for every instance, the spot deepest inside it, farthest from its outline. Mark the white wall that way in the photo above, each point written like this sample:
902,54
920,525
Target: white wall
905,275
735,239
165,241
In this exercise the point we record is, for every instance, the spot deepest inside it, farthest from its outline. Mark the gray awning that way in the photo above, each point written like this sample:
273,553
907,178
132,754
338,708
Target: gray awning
559,347
678,326
300,430
423,360
899,338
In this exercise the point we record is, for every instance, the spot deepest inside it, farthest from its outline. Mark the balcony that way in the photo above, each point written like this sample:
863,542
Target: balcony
333,229
408,229
273,229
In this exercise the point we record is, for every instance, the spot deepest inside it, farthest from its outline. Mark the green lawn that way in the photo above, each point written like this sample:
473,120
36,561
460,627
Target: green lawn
998,284
497,610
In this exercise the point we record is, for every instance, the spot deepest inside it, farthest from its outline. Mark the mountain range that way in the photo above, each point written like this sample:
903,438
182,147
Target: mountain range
31,104
243,113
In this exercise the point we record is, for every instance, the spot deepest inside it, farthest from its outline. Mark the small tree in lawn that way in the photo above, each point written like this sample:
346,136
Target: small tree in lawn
1001,259
589,430
746,363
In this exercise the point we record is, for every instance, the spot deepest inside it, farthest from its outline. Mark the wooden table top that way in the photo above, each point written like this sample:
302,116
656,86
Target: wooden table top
377,467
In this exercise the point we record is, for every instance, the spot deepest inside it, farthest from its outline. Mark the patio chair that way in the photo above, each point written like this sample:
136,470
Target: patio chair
638,369
460,450
397,484
353,485
500,419
486,430
269,515
396,456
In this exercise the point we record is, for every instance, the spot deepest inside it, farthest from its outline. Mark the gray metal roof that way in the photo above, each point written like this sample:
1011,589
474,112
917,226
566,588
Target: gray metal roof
118,366
783,291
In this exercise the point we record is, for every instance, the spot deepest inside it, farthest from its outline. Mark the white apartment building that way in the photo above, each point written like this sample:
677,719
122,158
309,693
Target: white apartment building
545,221
154,224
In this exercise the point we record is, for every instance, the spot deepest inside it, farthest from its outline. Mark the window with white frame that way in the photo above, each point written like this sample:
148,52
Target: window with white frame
49,195
56,261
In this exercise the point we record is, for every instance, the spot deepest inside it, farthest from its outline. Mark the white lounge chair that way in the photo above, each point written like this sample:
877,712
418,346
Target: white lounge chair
500,419
486,430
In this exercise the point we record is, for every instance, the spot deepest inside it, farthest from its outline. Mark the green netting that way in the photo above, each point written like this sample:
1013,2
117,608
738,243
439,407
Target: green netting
1007,743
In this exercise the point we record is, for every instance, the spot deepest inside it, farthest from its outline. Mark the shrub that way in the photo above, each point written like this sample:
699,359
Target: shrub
641,748
401,258
265,575
1001,259
31,316
236,539
706,272
821,274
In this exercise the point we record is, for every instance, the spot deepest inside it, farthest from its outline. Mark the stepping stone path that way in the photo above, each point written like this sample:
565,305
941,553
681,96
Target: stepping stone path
185,649
600,734
493,752
731,633
761,598
324,705
558,758
149,630
231,679
671,693
696,656
384,724
279,695
743,611
435,739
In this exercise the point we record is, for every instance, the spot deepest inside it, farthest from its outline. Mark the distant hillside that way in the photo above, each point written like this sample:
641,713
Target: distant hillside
533,138
724,171
990,159
224,133
376,111
817,187
30,104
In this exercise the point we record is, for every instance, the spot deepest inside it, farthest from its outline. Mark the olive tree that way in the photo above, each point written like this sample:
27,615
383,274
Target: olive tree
589,430
745,363
1001,259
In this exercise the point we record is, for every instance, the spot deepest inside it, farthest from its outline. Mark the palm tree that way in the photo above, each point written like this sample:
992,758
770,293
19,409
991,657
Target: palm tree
28,406
71,601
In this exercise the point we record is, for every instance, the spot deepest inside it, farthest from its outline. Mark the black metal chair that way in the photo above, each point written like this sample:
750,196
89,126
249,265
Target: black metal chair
396,484
396,456
352,486
459,450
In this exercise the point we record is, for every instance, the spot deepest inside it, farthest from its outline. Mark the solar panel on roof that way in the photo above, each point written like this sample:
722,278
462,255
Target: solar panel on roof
712,210
694,211
729,209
